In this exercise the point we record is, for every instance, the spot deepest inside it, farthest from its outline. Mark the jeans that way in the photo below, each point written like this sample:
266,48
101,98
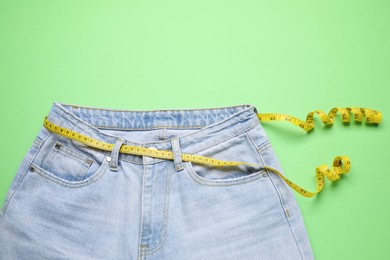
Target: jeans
69,200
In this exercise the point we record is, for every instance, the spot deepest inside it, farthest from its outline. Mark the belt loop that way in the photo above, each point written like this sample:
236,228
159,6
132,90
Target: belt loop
177,153
115,154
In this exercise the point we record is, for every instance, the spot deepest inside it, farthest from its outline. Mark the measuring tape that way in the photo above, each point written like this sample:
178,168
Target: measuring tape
372,117
341,164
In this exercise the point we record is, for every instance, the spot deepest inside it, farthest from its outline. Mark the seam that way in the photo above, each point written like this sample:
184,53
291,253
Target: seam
255,175
237,134
106,153
160,110
148,128
140,251
79,121
281,200
48,160
159,160
46,174
72,153
166,211
258,147
209,145
263,147
83,122
38,145
67,153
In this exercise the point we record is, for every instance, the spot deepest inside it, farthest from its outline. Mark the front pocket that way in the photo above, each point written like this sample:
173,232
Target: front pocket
66,163
69,162
94,176
236,148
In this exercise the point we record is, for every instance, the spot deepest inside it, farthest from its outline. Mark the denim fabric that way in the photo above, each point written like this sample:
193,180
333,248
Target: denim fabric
71,201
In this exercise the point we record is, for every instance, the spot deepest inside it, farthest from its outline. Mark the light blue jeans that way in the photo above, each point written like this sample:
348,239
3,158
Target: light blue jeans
71,201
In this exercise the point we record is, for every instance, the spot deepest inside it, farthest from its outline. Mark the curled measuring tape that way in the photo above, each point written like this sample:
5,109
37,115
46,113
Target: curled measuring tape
372,117
341,164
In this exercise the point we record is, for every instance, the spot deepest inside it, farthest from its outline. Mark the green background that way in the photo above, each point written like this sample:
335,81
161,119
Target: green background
284,57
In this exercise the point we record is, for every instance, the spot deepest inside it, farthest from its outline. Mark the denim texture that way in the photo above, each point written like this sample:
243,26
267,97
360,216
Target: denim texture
71,201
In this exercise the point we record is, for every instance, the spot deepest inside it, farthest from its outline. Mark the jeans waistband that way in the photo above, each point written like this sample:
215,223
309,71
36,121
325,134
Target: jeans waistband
214,124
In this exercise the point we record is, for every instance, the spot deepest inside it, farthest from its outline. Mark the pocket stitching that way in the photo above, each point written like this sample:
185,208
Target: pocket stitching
259,147
276,189
37,144
71,154
206,147
72,184
230,181
218,182
284,208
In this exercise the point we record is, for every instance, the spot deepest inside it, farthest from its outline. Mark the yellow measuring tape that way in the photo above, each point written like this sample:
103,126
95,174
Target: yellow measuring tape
341,164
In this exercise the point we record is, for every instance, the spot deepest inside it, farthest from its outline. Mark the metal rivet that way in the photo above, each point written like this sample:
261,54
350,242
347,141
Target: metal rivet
32,169
57,146
89,161
109,159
